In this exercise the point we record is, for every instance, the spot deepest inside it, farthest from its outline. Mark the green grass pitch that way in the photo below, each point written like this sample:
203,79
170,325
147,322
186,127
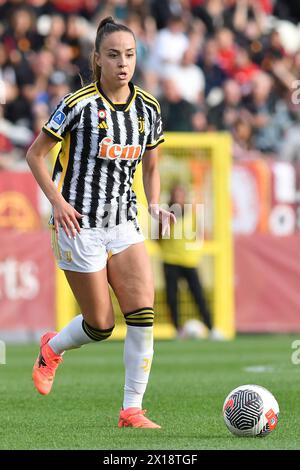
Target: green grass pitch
188,384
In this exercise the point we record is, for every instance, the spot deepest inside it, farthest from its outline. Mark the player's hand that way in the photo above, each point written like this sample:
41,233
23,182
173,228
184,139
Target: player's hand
165,218
66,216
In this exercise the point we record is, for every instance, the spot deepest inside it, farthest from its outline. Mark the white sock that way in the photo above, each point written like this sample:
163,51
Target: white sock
71,336
138,353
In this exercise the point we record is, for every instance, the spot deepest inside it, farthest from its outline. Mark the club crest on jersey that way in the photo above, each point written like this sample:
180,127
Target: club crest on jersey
141,125
102,114
58,119
112,151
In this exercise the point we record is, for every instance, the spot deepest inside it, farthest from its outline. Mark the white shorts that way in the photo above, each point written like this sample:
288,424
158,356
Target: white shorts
90,249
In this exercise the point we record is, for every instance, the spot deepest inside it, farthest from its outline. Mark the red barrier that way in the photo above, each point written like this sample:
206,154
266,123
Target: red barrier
27,284
267,283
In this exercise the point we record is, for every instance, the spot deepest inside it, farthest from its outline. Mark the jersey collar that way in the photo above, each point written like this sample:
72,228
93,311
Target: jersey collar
113,106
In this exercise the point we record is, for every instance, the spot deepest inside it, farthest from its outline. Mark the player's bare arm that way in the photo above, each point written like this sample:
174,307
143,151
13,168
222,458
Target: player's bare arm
151,180
64,214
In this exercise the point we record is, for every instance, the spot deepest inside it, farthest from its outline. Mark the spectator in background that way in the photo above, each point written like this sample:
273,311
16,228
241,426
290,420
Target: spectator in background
211,12
199,119
41,7
168,48
63,62
7,72
254,41
244,69
21,35
290,150
181,256
18,109
176,112
208,62
171,43
80,49
58,86
162,10
55,32
267,113
243,141
240,12
189,78
42,65
225,115
116,8
139,8
226,51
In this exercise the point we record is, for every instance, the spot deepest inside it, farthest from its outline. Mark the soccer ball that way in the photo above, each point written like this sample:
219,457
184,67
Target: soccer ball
250,410
194,329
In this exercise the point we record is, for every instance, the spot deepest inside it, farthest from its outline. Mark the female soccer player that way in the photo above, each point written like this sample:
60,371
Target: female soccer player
106,129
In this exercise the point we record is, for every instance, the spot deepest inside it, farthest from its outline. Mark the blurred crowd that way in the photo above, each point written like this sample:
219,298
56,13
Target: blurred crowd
214,65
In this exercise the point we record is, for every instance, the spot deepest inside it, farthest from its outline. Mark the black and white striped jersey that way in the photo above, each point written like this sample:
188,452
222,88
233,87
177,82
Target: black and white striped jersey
102,144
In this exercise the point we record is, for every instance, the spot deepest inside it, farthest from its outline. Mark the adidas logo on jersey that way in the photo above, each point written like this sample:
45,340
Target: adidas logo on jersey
112,151
103,125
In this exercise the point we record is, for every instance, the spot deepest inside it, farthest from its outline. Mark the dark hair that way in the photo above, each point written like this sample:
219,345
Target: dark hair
106,26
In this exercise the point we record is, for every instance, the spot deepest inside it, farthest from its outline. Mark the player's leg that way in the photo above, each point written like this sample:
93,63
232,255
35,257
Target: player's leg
97,320
196,289
84,263
130,275
95,324
171,273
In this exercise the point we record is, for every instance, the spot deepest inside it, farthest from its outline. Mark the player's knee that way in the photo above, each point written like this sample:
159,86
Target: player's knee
142,292
97,334
140,317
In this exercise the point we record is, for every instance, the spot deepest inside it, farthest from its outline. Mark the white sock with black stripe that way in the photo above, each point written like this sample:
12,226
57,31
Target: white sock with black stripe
138,354
71,336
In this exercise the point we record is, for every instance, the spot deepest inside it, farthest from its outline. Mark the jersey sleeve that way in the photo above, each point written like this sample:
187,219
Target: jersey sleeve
61,120
156,135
